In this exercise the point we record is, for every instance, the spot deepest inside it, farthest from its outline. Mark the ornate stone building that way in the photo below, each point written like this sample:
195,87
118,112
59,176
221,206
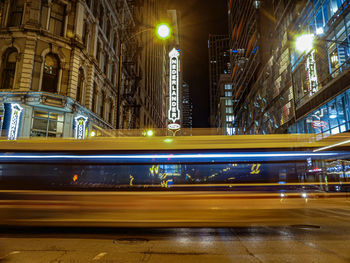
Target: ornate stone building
60,66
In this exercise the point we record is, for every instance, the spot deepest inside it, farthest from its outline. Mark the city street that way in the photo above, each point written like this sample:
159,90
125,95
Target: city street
327,242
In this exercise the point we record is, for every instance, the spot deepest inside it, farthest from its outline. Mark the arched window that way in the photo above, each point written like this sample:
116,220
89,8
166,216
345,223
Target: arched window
80,86
9,68
50,74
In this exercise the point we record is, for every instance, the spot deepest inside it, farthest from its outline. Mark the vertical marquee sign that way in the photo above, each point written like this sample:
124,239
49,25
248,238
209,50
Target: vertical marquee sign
174,111
312,73
80,127
12,118
16,111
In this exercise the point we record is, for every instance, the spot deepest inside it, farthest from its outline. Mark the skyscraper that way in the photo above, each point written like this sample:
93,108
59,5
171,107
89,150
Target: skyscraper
186,106
219,63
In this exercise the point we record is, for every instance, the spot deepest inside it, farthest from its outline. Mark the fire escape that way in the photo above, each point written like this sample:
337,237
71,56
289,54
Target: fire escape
131,73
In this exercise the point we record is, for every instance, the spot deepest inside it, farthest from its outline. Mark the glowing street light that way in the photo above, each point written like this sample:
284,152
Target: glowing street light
304,43
163,31
150,133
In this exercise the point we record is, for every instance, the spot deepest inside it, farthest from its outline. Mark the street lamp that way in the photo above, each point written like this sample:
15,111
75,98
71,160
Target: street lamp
163,32
304,43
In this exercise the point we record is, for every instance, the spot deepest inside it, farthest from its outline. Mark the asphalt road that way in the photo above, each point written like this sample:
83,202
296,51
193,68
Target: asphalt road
326,242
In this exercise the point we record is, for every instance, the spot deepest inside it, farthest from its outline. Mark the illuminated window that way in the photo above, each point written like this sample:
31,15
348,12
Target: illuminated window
47,124
57,17
228,93
9,69
229,118
228,102
229,110
228,86
50,74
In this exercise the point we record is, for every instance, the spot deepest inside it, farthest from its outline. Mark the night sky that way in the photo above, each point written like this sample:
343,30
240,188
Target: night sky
199,18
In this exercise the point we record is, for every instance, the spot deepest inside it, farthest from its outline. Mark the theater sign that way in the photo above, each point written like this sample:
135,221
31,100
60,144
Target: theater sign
174,111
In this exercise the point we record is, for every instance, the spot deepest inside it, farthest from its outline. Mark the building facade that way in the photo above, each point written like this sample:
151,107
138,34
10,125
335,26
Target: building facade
186,106
302,91
219,63
225,107
73,65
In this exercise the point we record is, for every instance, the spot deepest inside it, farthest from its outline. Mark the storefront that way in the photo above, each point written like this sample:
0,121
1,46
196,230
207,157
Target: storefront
24,115
329,119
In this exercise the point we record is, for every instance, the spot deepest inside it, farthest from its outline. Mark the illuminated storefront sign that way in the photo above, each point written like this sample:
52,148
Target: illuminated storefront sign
174,126
16,111
312,74
174,111
80,127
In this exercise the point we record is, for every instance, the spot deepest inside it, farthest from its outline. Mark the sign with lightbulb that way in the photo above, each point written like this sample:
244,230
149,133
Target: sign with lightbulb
174,111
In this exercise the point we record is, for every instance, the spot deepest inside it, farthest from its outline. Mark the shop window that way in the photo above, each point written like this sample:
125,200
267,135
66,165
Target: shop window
80,86
333,114
57,17
50,74
9,69
47,124
16,13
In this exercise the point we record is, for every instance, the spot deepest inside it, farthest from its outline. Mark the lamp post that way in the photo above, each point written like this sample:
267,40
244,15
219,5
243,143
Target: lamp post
163,32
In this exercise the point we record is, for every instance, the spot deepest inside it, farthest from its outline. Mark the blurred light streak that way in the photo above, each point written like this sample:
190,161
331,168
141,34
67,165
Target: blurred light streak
332,146
166,156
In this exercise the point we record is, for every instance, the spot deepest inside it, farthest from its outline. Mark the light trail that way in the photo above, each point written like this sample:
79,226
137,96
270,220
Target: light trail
167,156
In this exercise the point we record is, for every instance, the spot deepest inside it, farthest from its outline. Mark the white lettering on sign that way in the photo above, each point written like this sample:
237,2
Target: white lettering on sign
174,111
16,111
80,127
312,73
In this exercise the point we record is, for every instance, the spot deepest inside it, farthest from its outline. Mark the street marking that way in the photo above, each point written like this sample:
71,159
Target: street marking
14,252
99,256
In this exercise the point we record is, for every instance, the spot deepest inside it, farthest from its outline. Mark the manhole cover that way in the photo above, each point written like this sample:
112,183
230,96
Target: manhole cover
306,226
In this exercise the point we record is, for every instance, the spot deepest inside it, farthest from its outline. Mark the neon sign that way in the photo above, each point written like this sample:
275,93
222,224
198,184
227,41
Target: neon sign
16,111
319,124
312,74
174,111
80,127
